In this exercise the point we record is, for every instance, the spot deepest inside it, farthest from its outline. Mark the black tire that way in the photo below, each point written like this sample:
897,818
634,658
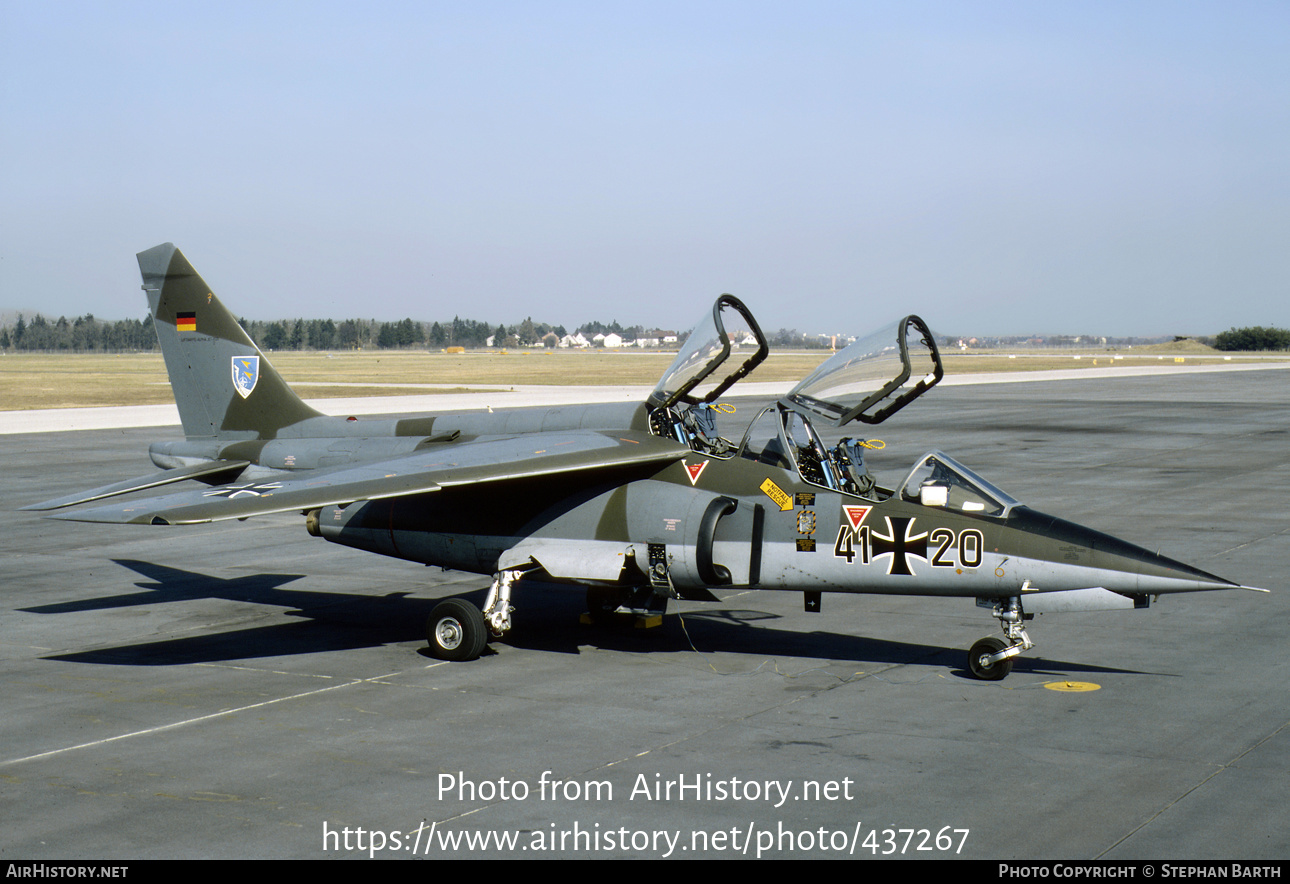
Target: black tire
456,630
988,671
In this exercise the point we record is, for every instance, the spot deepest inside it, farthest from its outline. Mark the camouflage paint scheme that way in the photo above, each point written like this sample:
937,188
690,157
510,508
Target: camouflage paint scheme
639,502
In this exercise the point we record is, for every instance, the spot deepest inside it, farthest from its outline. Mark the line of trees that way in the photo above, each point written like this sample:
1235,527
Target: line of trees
351,334
85,334
1254,337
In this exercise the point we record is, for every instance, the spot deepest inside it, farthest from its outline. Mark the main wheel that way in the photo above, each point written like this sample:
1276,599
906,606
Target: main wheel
984,670
456,630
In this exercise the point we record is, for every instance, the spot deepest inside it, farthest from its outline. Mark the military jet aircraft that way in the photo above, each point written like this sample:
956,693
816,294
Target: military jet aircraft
637,502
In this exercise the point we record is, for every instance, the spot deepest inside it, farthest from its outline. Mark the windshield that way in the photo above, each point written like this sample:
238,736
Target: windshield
729,326
940,480
872,378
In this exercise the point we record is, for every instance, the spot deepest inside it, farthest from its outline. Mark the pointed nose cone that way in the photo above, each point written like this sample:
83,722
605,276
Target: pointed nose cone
1115,564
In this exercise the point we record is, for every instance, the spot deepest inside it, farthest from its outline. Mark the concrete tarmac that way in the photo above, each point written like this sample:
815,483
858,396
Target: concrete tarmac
244,690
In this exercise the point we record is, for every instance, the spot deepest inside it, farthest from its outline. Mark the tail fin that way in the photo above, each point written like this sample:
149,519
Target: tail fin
224,386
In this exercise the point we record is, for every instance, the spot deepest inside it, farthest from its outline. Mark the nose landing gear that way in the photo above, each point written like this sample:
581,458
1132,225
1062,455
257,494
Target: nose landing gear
990,659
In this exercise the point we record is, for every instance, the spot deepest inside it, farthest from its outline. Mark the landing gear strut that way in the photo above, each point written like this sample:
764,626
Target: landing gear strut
990,659
457,630
498,607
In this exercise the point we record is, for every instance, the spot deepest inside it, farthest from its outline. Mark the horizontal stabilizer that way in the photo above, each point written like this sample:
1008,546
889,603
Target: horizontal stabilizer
423,472
220,470
257,499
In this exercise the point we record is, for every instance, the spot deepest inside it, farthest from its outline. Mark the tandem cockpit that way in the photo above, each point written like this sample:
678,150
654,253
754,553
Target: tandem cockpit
868,381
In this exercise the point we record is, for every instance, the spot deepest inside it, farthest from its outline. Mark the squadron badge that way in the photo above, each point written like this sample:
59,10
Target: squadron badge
246,371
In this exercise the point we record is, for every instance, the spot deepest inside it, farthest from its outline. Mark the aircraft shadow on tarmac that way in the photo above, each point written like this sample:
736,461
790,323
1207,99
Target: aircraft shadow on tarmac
550,622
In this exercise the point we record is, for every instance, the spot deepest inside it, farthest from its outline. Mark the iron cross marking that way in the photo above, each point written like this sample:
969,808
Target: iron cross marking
251,489
898,544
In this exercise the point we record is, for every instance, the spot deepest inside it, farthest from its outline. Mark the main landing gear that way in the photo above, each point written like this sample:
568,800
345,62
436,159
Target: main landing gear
457,630
990,659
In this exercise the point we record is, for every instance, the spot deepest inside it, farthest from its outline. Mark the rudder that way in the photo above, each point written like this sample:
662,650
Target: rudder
224,386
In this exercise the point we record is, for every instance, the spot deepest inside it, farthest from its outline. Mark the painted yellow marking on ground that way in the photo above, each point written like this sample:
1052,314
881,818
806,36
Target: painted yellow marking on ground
1073,686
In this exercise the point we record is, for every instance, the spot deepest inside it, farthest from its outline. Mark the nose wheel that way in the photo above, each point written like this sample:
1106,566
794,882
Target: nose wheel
981,656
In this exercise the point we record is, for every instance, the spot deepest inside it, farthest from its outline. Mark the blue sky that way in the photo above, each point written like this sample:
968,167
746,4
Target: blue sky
998,168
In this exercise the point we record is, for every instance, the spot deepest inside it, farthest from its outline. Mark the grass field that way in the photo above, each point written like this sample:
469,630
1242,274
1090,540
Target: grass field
36,380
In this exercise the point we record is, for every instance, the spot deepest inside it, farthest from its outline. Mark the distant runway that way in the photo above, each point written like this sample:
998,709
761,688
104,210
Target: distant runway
51,420
244,690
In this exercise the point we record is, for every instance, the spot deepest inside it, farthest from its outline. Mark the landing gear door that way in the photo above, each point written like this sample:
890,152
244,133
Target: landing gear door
873,378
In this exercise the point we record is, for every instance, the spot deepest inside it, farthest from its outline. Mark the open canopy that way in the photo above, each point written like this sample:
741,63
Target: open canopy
873,378
705,351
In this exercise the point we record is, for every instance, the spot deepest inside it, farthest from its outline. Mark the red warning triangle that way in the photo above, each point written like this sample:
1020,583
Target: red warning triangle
855,514
695,470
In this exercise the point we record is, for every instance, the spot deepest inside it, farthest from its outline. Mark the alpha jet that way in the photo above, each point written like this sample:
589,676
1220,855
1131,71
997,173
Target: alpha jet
637,502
